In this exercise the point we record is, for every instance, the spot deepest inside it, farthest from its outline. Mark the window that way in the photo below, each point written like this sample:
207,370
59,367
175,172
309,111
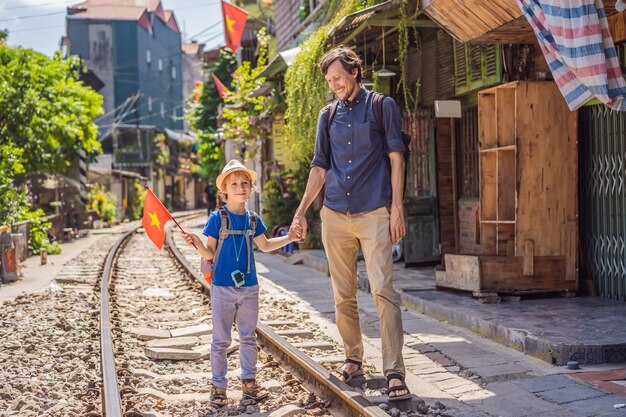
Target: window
173,72
174,114
150,104
148,56
162,110
160,64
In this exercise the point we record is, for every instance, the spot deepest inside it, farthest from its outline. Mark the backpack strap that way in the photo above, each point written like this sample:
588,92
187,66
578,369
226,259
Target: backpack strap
377,104
332,110
223,233
250,235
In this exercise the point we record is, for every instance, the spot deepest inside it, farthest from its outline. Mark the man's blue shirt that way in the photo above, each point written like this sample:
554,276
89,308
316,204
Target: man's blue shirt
233,245
358,177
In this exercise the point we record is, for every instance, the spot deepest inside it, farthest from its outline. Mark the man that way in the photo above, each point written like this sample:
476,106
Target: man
209,197
362,167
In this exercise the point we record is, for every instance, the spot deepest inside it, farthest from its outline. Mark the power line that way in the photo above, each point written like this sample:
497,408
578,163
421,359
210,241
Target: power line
124,4
31,16
32,6
138,119
164,54
34,29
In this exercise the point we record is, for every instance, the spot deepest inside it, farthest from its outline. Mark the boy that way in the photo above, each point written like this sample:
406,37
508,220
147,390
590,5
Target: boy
235,290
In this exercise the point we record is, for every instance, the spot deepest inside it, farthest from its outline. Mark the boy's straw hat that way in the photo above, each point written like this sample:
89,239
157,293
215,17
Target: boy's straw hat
233,166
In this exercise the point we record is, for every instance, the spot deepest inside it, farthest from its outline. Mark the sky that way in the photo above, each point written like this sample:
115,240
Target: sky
40,24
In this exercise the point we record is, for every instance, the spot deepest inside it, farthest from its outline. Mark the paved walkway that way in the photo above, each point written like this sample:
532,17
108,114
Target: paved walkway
589,330
36,277
472,375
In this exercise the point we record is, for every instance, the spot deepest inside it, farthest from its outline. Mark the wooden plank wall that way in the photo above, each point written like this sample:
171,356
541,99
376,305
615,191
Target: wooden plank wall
444,186
547,170
500,273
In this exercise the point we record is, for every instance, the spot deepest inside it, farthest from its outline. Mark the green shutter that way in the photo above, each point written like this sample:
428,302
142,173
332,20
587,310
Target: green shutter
460,68
492,64
476,66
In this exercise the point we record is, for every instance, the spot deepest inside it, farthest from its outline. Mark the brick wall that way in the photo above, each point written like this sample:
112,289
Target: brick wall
468,226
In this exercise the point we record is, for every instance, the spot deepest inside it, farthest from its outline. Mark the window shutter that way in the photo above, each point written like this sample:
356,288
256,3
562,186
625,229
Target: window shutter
445,65
429,68
492,59
476,66
460,68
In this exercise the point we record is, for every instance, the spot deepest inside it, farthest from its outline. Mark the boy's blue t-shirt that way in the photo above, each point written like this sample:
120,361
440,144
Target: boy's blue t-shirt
227,262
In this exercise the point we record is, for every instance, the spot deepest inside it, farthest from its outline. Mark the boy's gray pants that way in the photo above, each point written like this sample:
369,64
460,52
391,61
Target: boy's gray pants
241,306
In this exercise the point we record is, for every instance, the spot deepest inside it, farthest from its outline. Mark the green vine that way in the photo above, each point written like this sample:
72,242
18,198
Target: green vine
404,26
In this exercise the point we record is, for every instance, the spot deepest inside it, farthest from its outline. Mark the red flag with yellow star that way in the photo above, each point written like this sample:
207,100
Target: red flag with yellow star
234,23
155,215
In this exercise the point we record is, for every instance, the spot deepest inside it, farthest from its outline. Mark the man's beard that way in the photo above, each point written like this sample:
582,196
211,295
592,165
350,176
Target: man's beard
349,94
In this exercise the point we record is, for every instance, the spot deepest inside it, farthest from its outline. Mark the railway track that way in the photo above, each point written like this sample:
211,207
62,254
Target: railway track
155,339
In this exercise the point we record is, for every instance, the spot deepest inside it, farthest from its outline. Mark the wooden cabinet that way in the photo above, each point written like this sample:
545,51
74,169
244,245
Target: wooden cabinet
528,194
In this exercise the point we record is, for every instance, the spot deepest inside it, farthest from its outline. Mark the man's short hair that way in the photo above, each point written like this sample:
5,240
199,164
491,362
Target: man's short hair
348,58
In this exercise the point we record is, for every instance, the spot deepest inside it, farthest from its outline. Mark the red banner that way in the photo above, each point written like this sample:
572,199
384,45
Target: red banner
234,24
221,88
155,215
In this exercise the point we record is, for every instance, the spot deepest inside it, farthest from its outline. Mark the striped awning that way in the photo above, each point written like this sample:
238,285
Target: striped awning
575,39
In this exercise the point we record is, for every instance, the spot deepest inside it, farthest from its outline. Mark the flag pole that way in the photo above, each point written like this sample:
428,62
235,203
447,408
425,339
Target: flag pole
171,216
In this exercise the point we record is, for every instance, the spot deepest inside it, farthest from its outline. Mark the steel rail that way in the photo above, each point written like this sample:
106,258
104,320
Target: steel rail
112,404
110,389
350,401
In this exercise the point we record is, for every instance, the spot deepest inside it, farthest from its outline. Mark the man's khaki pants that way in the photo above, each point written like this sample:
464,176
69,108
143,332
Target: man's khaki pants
341,234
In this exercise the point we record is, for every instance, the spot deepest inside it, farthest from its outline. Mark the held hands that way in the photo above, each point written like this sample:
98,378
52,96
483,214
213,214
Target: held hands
295,232
298,228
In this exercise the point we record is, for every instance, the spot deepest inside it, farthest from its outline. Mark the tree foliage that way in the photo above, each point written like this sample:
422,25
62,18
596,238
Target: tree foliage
14,203
46,114
45,110
204,118
243,108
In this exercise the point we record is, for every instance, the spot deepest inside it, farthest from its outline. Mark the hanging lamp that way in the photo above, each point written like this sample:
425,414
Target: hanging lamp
384,71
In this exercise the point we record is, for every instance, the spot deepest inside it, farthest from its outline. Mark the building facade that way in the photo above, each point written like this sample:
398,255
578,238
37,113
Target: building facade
136,52
134,49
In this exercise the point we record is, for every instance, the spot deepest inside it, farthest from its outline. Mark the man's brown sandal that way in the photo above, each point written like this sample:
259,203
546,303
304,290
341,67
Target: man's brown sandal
347,376
401,387
252,391
218,396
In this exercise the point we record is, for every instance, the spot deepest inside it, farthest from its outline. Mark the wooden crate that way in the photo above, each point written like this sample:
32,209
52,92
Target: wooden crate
528,194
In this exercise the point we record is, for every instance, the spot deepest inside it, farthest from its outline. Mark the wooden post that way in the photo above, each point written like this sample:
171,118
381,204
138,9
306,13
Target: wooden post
455,197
